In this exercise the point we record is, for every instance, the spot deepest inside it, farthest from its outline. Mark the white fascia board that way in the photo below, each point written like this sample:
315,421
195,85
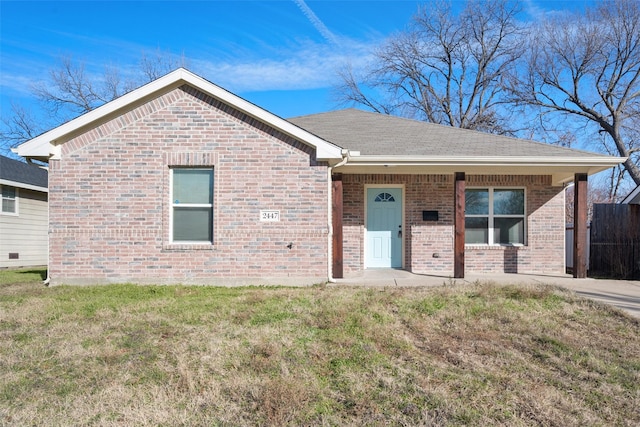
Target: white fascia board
562,170
43,145
23,185
597,161
631,196
45,142
33,148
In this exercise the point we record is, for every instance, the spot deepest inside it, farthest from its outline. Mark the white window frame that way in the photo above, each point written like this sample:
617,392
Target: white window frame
15,200
188,205
491,216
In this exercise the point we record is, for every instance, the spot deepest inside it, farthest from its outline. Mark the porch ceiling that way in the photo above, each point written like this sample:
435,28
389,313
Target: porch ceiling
562,170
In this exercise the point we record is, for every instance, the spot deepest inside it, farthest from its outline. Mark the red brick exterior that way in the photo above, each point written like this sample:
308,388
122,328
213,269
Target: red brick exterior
110,207
428,246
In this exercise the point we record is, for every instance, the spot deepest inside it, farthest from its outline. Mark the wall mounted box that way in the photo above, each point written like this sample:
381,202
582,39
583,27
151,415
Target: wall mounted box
429,215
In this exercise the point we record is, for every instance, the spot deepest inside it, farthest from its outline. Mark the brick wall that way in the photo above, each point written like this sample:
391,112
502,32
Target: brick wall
428,245
110,207
544,252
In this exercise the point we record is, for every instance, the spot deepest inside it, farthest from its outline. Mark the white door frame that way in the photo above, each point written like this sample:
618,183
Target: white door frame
366,218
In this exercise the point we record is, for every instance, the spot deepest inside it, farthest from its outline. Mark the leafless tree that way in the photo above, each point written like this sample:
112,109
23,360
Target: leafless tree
19,127
585,67
445,68
158,63
71,90
597,193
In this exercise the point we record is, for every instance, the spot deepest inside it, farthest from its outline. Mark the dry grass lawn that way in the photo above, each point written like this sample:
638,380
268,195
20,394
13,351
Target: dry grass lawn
454,355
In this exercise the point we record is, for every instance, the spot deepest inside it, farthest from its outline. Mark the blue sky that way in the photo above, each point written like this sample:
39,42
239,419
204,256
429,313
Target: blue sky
281,55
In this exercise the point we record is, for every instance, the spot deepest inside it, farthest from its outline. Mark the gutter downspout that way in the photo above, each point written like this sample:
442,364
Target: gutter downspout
345,159
47,281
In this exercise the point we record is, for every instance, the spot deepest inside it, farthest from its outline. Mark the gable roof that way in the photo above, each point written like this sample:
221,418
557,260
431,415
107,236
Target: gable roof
22,175
377,141
633,197
47,145
371,142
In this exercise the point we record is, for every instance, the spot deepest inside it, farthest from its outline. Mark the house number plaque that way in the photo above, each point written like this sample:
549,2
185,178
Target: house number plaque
270,216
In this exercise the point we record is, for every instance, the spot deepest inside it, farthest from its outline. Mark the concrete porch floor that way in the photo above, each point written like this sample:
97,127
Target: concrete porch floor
624,294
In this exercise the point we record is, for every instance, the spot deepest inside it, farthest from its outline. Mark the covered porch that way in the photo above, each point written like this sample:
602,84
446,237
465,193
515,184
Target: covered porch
426,169
427,236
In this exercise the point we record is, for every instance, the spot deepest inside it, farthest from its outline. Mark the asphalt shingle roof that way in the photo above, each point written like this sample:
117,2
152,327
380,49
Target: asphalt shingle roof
14,170
380,134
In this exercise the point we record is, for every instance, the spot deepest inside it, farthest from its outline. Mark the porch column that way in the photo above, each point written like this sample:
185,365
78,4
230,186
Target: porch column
336,223
580,226
458,226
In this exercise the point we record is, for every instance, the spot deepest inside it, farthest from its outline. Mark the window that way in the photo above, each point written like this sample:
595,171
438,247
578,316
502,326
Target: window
9,199
192,205
494,216
385,197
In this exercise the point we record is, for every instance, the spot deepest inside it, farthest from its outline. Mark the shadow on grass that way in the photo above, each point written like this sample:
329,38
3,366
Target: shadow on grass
42,272
28,275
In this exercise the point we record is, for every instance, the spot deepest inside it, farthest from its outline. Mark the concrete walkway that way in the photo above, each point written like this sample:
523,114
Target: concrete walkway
624,294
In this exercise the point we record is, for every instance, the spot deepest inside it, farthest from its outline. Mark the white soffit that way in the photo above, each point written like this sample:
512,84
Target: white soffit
562,170
43,145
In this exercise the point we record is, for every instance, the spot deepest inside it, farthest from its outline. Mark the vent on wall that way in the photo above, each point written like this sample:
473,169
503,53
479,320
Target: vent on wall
13,255
429,215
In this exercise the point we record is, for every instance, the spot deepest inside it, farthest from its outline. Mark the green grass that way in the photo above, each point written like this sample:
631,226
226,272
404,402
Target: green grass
12,276
176,355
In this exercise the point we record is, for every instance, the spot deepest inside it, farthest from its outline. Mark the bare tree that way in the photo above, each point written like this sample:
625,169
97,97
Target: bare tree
19,127
158,63
70,90
597,193
586,66
444,68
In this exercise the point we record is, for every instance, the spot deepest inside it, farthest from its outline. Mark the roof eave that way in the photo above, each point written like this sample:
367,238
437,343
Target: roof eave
24,185
631,196
44,146
608,161
562,169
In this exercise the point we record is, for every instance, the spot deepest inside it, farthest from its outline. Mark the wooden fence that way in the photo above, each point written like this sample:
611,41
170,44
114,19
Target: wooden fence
615,241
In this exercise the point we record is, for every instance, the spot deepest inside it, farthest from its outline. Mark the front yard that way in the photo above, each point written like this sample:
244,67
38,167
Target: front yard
174,355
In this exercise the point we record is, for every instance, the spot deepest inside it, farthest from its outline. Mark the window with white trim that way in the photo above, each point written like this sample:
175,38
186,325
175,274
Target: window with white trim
495,216
9,200
192,205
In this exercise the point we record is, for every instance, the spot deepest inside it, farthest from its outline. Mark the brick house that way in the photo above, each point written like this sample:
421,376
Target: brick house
181,181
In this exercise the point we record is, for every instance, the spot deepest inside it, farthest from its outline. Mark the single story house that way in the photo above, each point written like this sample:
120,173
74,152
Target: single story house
181,181
23,214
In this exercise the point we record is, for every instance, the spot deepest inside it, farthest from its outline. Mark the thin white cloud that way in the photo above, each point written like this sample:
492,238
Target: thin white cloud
312,66
15,85
536,12
316,22
303,66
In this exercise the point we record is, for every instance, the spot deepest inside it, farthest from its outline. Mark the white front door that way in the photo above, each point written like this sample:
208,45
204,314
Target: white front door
383,239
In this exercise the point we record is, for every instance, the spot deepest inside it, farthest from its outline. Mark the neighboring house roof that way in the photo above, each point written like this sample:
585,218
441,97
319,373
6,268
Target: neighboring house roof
379,140
22,175
633,198
47,145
